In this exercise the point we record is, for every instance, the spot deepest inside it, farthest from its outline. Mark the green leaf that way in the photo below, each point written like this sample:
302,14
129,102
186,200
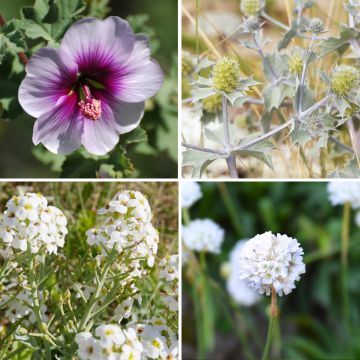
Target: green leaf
350,170
48,158
135,136
199,161
99,8
340,44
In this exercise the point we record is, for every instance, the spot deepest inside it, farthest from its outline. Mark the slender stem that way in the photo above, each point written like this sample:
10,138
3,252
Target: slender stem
344,263
186,216
274,21
354,141
302,81
197,29
339,143
202,149
273,315
231,160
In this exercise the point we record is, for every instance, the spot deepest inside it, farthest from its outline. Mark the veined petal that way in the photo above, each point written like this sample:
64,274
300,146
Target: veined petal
50,75
141,77
60,129
98,44
118,117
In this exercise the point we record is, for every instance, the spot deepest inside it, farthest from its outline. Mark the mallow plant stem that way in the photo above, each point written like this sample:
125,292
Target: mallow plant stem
273,316
344,263
231,160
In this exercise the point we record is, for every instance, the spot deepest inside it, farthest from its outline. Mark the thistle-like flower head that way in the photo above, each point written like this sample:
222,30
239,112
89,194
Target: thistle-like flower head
251,7
213,103
345,81
271,261
251,24
316,26
296,64
226,74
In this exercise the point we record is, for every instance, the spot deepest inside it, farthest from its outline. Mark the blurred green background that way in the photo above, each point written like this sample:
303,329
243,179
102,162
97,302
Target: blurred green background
311,318
155,158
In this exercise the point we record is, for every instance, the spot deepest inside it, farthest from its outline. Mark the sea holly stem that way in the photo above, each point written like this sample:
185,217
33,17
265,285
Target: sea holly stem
231,160
344,263
273,316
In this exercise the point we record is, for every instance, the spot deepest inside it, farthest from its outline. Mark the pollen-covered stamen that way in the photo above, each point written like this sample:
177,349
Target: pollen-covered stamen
90,107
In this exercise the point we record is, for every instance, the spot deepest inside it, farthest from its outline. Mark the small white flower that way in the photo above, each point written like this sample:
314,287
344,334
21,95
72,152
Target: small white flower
110,335
123,310
190,193
171,302
341,192
237,288
271,261
203,235
169,267
89,348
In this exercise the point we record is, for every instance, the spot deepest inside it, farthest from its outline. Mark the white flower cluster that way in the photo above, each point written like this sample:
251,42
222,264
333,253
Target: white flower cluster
190,193
203,235
269,260
127,228
110,343
21,307
29,221
158,340
136,342
341,192
239,290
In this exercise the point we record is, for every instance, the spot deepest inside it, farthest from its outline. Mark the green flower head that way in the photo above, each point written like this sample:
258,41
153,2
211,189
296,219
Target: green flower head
186,65
296,64
345,81
213,103
251,7
226,75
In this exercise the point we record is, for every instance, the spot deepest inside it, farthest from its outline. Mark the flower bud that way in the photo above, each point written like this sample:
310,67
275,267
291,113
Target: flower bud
226,74
44,327
296,64
212,104
250,7
22,331
316,26
345,80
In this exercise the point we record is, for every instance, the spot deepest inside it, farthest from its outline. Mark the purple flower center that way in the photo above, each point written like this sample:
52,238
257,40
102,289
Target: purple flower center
90,107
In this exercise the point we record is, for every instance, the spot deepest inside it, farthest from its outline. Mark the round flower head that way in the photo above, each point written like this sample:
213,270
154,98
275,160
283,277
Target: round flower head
203,235
316,26
226,75
251,7
251,24
341,192
190,193
271,261
237,288
212,104
28,220
296,64
345,81
92,88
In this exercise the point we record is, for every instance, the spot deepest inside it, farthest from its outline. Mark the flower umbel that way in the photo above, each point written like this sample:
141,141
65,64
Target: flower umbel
341,192
251,7
345,81
271,261
226,75
296,64
190,193
92,88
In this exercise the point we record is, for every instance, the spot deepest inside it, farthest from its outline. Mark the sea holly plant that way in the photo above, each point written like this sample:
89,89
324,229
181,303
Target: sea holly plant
306,97
83,79
103,305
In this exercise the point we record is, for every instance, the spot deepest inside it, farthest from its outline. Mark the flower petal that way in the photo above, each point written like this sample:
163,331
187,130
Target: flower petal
95,44
50,75
60,129
141,77
101,136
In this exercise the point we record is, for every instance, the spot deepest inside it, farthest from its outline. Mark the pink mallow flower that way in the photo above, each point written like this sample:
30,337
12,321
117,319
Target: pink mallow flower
92,88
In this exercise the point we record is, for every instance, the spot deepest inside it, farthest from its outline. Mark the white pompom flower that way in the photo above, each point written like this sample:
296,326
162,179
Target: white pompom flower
190,193
203,235
238,289
270,261
341,192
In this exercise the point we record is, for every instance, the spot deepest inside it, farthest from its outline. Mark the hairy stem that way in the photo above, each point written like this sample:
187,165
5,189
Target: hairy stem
344,263
231,160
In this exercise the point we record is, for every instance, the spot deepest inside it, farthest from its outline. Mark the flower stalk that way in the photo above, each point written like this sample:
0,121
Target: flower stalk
231,160
344,263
